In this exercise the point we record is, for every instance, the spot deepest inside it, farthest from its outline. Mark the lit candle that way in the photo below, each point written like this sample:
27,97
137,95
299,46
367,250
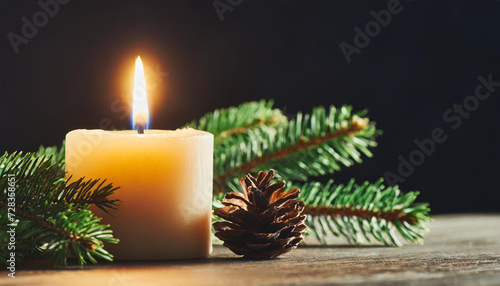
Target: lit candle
165,180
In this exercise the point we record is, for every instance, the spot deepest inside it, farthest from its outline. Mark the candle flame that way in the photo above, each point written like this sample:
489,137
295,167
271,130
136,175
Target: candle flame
140,111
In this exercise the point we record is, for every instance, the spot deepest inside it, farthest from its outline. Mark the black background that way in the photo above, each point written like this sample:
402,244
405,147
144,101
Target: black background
76,71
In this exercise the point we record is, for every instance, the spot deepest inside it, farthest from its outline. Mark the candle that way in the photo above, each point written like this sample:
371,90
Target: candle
165,180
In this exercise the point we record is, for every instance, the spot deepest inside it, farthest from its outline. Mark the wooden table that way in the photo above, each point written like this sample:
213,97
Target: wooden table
459,250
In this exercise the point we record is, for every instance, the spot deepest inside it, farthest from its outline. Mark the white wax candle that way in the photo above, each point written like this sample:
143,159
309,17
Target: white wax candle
165,180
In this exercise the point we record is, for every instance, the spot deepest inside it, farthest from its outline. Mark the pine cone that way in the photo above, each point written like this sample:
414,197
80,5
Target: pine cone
263,221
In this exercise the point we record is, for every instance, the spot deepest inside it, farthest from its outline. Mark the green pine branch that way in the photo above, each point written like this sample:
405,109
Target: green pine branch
90,192
370,212
55,153
227,123
66,229
50,216
310,145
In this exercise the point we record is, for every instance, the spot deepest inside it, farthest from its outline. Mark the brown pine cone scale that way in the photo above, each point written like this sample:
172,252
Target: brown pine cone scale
262,222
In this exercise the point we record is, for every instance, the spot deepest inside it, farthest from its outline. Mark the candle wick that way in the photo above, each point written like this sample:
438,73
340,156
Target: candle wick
140,128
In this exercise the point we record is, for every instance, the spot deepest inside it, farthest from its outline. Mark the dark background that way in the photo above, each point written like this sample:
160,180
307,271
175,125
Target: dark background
76,71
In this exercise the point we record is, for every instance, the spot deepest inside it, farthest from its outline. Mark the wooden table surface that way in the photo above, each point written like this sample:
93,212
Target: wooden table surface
459,250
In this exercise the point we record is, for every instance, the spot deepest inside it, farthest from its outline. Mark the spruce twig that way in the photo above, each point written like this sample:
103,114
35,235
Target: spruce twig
91,192
304,144
371,211
229,122
51,216
310,145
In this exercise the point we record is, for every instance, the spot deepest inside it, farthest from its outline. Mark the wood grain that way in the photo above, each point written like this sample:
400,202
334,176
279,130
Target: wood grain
459,250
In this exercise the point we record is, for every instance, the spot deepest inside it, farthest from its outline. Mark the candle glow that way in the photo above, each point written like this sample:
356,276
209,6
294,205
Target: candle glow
140,110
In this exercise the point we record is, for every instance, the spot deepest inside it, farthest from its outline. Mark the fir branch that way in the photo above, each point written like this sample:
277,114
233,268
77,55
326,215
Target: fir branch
228,122
91,192
348,211
369,211
55,231
71,231
275,120
304,144
39,221
53,152
39,179
51,215
310,145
